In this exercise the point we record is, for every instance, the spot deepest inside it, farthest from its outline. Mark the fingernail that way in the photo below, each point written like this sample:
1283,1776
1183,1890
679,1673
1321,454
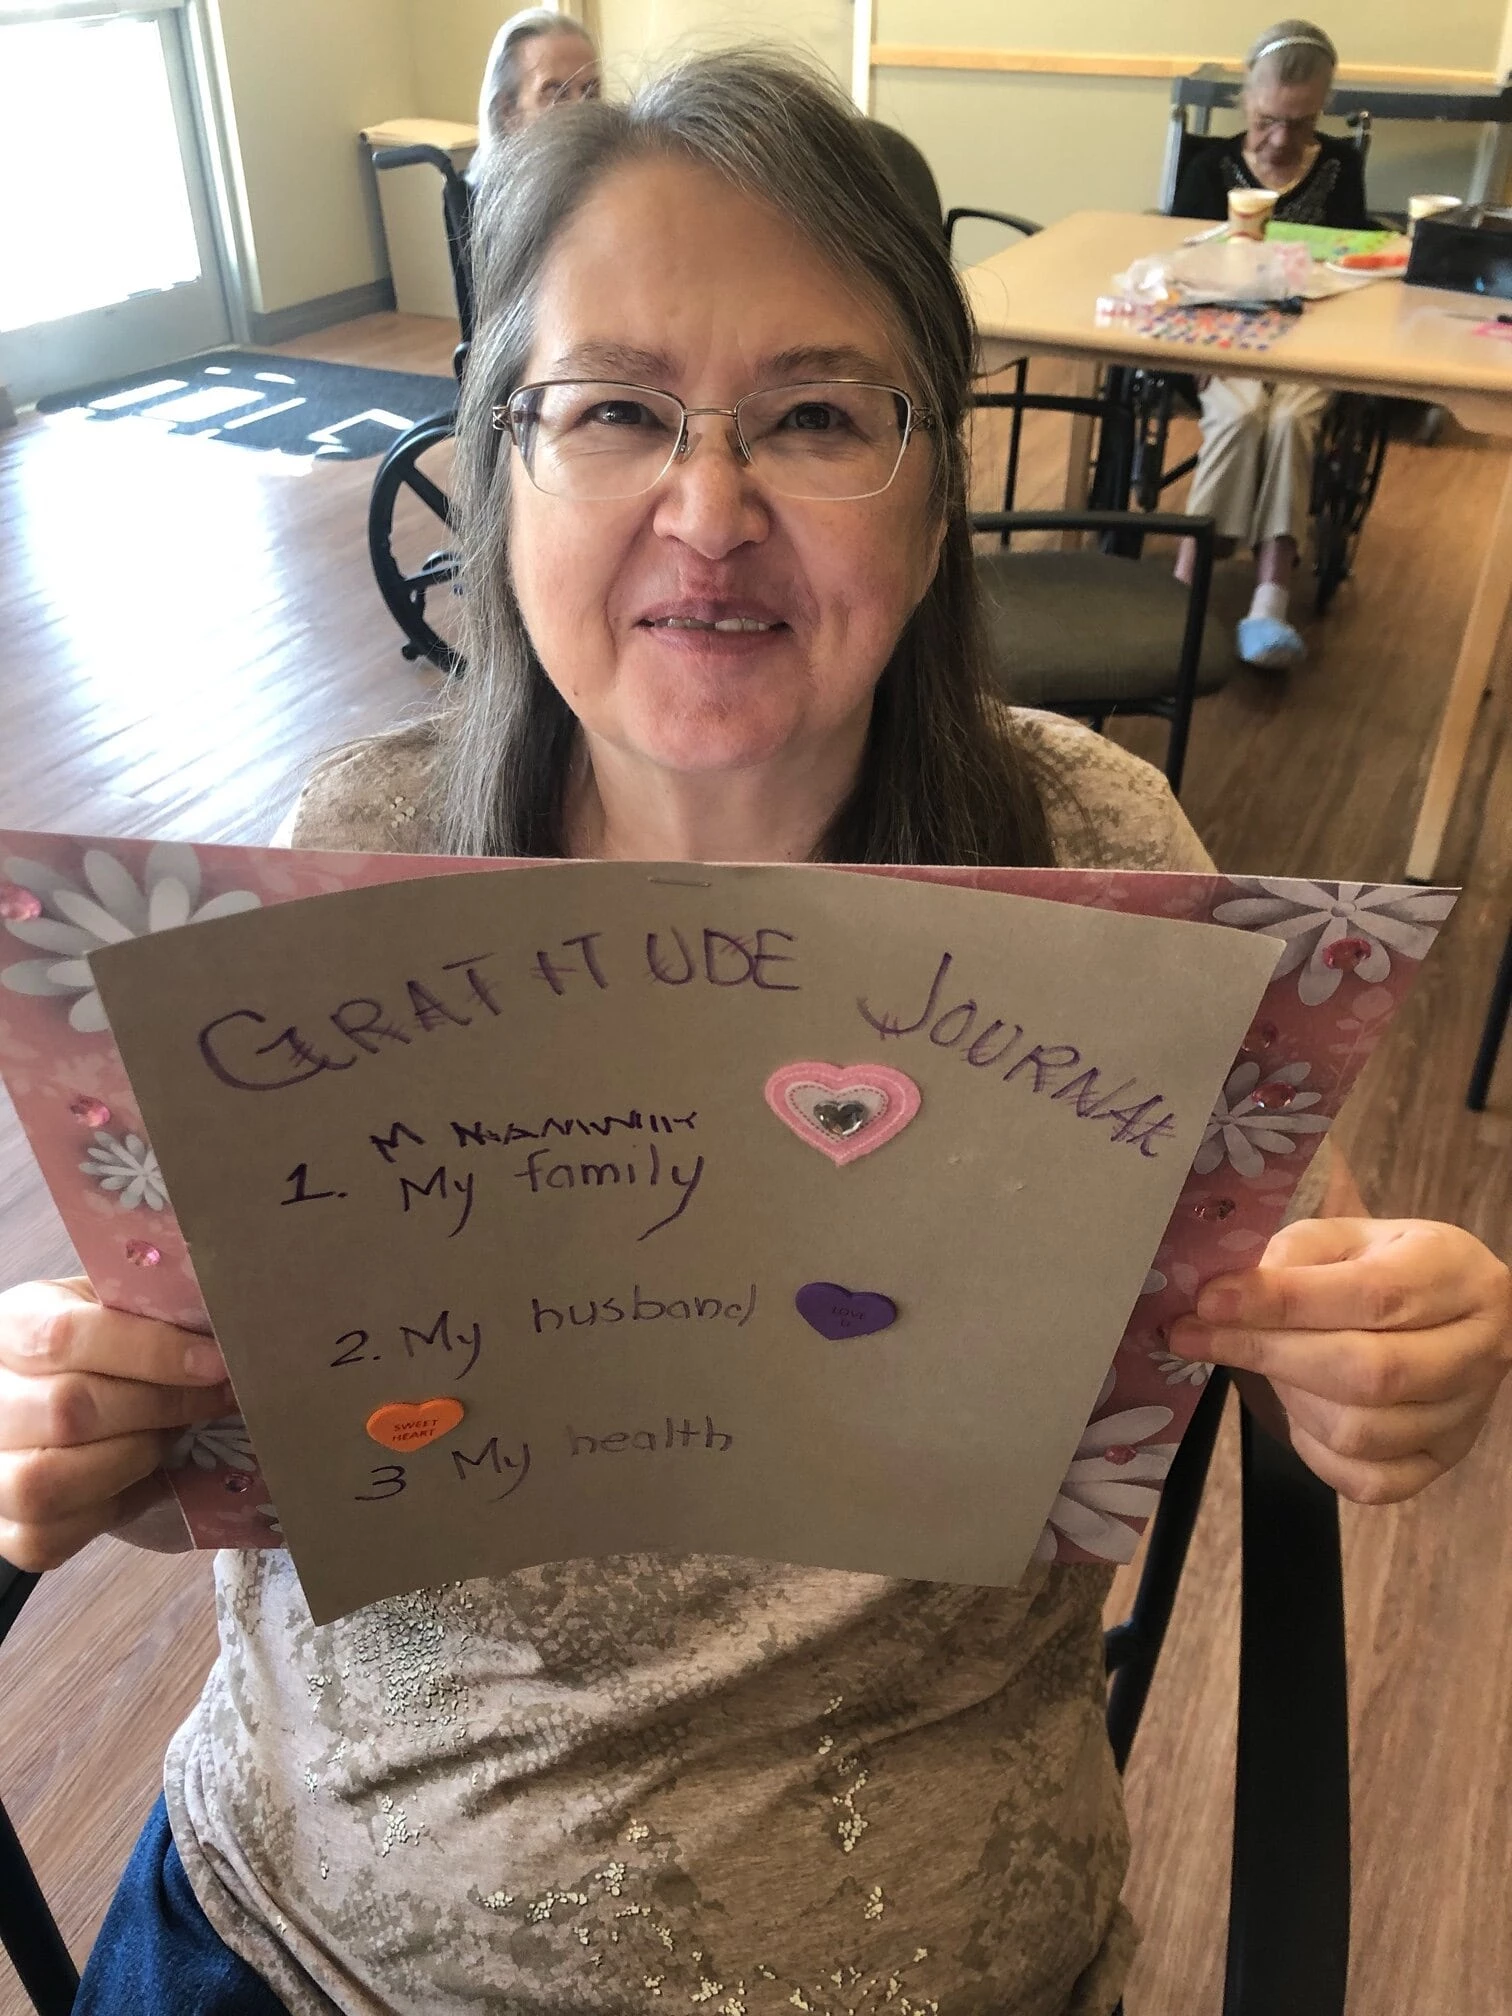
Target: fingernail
1219,1305
204,1361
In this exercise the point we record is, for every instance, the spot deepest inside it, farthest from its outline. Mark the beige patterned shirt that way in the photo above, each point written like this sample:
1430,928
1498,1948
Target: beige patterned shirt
650,1783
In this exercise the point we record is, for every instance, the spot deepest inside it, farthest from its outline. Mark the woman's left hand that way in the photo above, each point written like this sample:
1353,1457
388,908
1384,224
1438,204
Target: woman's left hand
1383,1340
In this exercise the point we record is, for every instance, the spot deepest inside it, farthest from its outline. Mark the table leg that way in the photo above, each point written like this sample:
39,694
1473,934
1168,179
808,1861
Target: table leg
1472,678
1079,449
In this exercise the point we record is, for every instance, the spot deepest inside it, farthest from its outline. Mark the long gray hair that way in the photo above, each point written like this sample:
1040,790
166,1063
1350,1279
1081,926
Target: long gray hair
940,781
1293,53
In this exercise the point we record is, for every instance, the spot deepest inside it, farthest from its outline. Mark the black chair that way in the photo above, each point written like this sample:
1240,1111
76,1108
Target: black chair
1289,1890
1499,1008
914,176
1084,632
1094,632
1351,450
27,1928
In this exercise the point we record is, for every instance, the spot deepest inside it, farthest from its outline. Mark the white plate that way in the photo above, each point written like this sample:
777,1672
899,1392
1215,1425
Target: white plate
1366,272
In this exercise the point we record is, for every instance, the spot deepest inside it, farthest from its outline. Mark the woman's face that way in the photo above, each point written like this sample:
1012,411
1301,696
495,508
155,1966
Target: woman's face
554,69
668,278
1281,121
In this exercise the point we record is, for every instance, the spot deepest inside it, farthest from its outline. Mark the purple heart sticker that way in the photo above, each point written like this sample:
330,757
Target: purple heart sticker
837,1312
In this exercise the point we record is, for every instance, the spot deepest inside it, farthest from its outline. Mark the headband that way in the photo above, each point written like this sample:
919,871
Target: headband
1293,42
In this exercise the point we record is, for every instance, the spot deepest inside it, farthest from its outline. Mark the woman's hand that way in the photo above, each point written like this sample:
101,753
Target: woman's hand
90,1403
1383,1340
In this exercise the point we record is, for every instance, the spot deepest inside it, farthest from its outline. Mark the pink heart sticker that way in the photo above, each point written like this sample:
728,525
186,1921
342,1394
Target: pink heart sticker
843,1110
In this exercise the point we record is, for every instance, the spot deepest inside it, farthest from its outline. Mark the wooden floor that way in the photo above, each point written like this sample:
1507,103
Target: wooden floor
186,625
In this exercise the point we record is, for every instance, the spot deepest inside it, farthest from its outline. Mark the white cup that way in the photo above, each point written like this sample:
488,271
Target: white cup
1250,211
1419,207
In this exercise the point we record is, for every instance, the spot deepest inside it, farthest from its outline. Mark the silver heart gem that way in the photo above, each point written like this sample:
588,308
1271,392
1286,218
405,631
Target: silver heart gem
841,1117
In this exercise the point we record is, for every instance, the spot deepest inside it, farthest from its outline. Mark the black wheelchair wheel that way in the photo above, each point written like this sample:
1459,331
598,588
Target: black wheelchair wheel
1346,475
407,511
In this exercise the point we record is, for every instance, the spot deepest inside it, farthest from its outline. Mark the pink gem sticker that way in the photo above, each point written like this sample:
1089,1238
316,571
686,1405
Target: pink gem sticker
843,1110
141,1254
1346,953
1272,1097
1215,1209
18,905
93,1113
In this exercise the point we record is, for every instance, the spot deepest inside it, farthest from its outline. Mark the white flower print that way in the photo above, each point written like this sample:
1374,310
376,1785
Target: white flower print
1246,1130
1311,917
1110,1482
269,1516
127,1167
76,922
212,1444
1154,1281
1179,1371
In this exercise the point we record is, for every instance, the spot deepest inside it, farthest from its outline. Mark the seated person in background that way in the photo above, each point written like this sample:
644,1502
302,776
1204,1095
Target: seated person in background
1254,473
539,59
721,606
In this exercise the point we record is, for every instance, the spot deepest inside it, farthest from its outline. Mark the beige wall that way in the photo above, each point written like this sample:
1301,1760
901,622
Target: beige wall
451,40
1045,145
303,78
1449,34
637,35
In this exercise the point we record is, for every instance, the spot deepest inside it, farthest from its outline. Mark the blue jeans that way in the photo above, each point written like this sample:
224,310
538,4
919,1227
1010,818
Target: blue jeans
158,1951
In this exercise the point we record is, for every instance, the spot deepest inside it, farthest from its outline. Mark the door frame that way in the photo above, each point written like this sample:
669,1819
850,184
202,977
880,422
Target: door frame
188,33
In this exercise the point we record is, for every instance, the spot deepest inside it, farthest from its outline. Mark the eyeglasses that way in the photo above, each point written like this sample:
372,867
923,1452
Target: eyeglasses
593,440
1303,127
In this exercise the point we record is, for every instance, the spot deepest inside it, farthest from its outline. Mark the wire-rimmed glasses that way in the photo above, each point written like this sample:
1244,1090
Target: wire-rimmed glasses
594,439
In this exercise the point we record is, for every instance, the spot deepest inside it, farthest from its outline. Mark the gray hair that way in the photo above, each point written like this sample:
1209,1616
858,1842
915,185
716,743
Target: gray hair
500,92
1293,53
939,781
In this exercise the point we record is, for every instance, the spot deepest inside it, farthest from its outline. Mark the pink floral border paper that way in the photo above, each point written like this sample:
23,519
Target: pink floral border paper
1352,949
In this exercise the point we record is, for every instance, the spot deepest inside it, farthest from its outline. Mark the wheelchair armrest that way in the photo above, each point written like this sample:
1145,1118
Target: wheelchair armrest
1022,225
417,157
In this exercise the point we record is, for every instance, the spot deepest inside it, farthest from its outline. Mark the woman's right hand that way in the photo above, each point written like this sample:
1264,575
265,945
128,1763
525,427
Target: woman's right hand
91,1401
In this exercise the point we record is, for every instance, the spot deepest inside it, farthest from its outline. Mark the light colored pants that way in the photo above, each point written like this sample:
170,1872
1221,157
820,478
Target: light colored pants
1254,472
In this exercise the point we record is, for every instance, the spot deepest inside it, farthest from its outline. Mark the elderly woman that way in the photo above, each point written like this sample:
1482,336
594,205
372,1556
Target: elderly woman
1254,473
721,607
539,59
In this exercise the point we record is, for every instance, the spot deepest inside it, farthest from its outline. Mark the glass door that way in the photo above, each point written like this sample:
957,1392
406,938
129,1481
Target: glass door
108,261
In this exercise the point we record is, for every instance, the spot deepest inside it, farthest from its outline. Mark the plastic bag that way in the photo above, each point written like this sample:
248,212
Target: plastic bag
1225,269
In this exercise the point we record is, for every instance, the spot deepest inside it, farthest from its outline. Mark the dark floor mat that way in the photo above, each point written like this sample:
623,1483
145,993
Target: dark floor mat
255,399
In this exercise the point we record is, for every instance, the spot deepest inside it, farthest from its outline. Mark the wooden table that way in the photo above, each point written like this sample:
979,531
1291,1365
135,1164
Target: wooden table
1039,298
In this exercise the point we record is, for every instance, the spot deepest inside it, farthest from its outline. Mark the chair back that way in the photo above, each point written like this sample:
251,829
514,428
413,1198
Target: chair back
910,171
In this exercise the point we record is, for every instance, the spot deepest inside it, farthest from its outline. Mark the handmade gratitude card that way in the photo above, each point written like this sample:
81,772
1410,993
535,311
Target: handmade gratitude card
584,1209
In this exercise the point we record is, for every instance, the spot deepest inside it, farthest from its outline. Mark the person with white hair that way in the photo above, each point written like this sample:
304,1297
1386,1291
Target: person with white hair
1254,472
539,59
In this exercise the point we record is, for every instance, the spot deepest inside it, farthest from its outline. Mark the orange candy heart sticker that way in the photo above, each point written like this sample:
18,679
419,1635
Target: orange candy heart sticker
410,1424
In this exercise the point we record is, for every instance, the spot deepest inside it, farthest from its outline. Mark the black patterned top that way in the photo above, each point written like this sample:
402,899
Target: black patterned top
1332,192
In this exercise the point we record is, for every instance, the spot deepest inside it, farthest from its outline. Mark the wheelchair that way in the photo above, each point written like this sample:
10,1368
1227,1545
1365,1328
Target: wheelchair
409,507
1352,438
